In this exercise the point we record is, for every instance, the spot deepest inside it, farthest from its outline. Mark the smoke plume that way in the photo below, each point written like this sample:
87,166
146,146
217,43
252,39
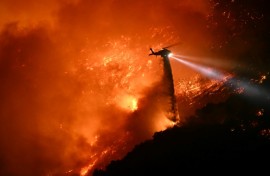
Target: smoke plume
77,86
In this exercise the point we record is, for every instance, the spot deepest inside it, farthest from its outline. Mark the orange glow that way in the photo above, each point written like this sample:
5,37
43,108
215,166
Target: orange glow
260,112
262,78
78,88
128,102
162,123
197,92
85,170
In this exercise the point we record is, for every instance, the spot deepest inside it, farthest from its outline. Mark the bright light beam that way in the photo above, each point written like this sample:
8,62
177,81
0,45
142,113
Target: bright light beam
206,61
209,72
249,89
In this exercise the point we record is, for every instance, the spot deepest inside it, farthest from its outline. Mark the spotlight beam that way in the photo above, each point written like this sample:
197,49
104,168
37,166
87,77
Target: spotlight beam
209,72
250,90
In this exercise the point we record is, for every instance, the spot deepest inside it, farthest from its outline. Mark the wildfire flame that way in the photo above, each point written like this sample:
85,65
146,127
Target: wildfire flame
127,102
78,88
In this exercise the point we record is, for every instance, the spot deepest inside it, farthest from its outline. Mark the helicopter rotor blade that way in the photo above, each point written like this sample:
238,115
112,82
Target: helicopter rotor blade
178,43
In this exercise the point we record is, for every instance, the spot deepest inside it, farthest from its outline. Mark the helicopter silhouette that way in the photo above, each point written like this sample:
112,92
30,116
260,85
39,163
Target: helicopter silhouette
164,52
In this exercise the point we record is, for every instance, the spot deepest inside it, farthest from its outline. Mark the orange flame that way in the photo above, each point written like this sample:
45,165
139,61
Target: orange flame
79,76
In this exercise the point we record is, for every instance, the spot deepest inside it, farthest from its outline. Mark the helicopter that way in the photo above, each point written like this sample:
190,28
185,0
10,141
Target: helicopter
164,52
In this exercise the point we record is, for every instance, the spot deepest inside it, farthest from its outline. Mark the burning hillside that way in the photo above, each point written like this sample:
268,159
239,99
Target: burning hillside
78,88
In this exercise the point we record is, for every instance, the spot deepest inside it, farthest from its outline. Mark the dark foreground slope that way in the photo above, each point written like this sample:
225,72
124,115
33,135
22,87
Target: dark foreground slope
235,137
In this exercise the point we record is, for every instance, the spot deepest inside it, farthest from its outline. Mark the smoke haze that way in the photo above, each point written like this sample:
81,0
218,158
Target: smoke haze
77,86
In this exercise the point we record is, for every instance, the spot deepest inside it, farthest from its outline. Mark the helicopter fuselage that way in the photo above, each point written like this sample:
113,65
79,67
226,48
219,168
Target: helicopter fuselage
163,53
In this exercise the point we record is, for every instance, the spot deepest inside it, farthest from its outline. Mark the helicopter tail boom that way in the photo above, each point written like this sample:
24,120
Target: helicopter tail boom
153,53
